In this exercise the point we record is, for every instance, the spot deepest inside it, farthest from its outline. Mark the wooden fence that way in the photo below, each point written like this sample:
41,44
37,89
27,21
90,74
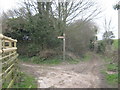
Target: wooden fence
8,58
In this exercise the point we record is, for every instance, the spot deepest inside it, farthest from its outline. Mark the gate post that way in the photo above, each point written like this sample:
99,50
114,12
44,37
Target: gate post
0,56
118,40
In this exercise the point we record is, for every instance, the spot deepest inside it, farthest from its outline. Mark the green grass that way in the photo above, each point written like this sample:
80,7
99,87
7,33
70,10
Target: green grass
111,67
24,81
53,61
38,60
111,79
115,44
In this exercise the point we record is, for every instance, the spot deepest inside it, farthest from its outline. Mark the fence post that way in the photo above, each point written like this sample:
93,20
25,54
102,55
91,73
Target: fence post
0,57
118,40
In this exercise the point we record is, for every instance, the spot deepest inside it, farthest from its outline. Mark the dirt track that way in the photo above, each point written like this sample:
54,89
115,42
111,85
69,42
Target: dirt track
82,75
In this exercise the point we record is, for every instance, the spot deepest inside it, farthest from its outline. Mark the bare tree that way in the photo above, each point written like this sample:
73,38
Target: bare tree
107,25
69,11
65,12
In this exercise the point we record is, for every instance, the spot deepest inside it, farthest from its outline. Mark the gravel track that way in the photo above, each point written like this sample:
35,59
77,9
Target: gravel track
82,75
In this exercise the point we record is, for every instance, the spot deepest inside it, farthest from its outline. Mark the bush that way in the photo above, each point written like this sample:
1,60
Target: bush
101,47
78,36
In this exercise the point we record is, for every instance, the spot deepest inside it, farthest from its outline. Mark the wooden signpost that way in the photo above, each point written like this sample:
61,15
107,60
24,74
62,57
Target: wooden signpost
63,37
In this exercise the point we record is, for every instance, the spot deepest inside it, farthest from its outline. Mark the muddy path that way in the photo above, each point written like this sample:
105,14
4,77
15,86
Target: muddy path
82,75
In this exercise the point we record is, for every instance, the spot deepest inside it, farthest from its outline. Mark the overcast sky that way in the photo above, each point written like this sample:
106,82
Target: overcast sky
108,13
107,7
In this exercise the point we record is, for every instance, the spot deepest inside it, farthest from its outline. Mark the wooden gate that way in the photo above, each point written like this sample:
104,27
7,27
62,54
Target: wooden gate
8,59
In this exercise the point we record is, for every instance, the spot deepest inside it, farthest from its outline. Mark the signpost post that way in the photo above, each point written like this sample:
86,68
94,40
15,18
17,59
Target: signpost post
63,37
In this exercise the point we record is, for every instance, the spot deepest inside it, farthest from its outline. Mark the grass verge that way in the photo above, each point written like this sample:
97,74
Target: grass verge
26,81
116,44
23,81
111,73
38,60
53,61
112,79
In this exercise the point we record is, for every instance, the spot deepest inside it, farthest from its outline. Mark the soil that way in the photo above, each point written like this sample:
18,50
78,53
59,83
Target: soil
86,74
